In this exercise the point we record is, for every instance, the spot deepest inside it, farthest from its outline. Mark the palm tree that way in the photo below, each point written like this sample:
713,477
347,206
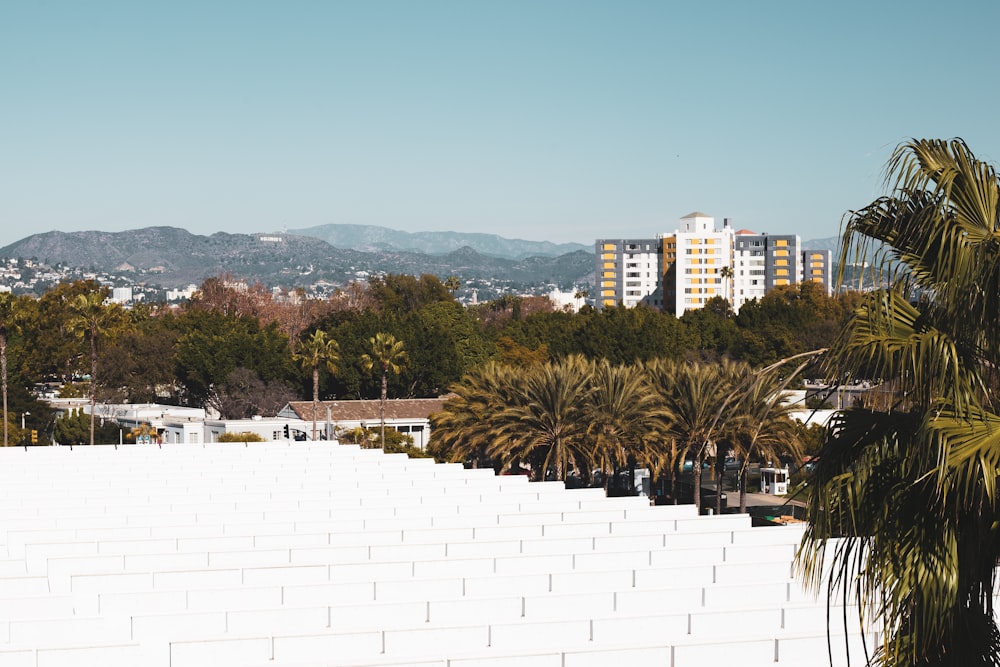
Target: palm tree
759,425
389,356
90,319
464,429
694,395
622,417
452,283
9,322
545,420
726,272
915,485
144,431
315,352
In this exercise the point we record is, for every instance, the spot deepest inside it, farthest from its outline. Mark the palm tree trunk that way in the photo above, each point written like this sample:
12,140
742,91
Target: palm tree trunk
744,476
315,397
381,407
696,474
93,382
3,372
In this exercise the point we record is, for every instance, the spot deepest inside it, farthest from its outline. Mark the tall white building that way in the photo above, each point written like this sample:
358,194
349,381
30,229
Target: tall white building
697,263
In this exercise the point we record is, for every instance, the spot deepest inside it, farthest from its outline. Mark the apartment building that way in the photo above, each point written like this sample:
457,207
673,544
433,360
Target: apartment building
699,266
699,261
762,262
629,272
817,267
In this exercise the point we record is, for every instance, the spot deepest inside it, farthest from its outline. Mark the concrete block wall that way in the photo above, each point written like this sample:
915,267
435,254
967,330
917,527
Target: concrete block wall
293,554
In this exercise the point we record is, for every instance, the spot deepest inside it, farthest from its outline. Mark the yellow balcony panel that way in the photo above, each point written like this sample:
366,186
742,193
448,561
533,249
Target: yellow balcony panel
781,242
609,246
609,265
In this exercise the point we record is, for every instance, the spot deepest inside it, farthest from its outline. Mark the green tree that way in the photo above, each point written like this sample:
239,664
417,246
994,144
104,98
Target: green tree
464,430
318,351
90,319
758,424
544,421
387,355
10,316
622,417
212,345
914,485
694,396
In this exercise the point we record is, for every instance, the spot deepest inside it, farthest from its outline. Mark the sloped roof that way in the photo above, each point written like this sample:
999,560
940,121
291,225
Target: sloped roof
696,214
367,410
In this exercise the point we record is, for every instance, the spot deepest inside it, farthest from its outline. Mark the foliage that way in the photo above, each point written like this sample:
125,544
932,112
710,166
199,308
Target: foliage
244,436
74,429
385,355
915,483
212,345
316,352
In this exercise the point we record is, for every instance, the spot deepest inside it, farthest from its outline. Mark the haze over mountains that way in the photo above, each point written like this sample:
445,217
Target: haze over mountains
172,257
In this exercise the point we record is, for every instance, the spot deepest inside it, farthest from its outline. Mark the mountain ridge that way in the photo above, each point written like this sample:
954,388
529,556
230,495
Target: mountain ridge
173,257
373,238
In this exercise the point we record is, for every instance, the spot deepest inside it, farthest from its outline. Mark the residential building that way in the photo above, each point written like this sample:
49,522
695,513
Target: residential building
817,267
410,416
698,261
762,262
629,272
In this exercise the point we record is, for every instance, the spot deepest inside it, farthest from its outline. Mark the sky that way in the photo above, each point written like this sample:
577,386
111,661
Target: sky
548,120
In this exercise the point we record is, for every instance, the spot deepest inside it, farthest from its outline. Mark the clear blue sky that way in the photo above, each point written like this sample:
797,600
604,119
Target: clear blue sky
542,119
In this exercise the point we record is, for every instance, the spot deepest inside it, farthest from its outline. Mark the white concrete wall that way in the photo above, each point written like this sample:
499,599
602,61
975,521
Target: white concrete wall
286,554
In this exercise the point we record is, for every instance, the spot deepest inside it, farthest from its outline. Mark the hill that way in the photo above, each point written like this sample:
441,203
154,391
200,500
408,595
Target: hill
370,238
171,257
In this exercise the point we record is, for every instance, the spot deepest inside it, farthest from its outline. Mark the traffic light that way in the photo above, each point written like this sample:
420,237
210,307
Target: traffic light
34,437
286,431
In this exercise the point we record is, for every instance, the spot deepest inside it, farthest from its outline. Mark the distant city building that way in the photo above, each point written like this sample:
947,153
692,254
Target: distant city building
121,295
817,267
699,261
568,301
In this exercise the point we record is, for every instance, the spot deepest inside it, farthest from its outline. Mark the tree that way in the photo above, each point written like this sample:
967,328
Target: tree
90,319
694,395
9,321
464,430
914,485
759,424
622,417
145,433
315,352
452,283
387,355
544,421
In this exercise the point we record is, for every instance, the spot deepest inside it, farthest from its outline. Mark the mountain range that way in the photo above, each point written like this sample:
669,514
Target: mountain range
171,257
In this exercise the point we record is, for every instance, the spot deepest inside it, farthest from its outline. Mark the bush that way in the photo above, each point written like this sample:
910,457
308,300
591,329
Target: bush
245,436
